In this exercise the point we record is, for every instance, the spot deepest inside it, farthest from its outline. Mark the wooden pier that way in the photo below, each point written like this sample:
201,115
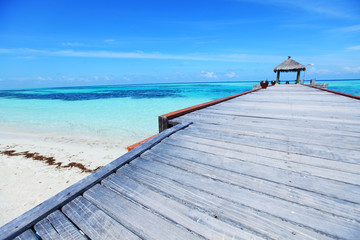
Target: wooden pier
279,163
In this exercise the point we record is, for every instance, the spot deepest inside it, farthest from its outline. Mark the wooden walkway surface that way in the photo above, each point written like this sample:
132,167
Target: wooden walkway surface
280,163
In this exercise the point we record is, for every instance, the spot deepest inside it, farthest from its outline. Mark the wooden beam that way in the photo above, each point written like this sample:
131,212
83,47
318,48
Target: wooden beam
164,119
336,92
278,77
31,217
135,145
298,76
163,123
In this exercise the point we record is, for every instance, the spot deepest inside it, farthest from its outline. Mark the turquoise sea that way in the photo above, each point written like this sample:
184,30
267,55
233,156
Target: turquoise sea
114,112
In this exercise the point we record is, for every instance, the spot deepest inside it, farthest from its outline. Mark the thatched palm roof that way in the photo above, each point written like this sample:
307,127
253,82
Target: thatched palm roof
289,65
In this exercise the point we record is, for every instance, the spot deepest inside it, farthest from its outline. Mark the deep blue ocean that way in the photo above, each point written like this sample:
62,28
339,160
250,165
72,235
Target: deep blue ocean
116,112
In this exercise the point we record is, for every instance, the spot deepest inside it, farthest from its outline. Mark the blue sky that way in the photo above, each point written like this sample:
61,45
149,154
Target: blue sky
73,43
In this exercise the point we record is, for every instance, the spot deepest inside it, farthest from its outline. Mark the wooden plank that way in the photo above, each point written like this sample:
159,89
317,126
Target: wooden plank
28,219
273,119
64,227
239,215
296,135
203,224
316,108
275,100
46,230
294,115
94,222
259,128
257,105
233,151
319,221
263,123
261,153
27,235
139,220
310,106
269,120
293,91
57,226
345,155
303,180
224,171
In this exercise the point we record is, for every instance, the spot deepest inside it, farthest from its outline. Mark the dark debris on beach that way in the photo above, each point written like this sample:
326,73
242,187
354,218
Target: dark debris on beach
49,160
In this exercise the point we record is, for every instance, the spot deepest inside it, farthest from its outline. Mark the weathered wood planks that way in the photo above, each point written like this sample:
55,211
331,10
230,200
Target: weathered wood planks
281,163
95,223
134,217
203,224
57,226
234,213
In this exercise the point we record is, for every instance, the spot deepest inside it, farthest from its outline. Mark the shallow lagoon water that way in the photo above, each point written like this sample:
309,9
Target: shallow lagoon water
115,112
124,113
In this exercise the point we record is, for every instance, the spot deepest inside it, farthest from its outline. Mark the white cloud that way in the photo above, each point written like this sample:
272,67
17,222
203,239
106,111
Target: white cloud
143,55
208,74
72,44
320,71
352,69
41,78
354,48
332,8
231,75
25,57
354,28
66,78
3,50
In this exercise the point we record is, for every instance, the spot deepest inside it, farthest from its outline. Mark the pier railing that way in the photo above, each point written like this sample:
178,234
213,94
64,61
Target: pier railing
164,122
336,92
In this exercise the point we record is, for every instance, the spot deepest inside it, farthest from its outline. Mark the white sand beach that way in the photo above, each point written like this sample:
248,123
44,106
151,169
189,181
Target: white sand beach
26,182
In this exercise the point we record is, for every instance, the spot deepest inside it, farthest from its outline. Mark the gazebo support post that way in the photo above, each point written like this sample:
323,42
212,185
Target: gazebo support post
278,77
298,76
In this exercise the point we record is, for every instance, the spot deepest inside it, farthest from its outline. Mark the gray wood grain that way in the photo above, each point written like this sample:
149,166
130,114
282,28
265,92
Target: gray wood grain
311,218
94,222
290,134
332,153
205,225
57,226
232,212
136,218
263,154
264,123
27,235
270,160
220,169
46,230
64,227
289,112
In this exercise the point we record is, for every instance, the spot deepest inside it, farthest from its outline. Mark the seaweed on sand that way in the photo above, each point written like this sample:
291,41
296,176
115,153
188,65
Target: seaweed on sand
48,160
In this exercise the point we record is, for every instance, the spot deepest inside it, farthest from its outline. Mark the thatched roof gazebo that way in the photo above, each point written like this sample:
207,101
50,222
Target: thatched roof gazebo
289,65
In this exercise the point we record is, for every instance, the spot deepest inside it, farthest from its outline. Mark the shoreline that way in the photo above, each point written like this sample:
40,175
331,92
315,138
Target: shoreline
27,180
